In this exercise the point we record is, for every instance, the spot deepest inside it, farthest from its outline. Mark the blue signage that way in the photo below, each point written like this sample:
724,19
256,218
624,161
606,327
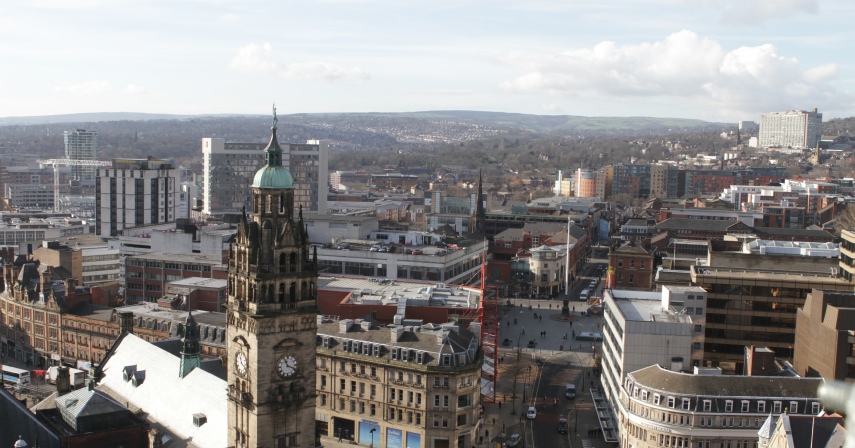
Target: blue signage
394,438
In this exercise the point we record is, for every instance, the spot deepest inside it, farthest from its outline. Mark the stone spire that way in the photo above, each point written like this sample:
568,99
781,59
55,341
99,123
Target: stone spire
190,353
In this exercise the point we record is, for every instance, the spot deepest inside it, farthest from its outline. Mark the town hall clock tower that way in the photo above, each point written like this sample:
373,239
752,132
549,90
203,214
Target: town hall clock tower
272,323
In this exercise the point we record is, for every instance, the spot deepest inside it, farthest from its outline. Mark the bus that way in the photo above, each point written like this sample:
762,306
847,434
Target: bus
14,378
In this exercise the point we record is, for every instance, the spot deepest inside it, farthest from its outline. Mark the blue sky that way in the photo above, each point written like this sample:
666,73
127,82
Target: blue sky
722,60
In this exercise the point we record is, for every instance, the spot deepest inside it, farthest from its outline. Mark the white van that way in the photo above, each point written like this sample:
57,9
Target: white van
583,296
570,391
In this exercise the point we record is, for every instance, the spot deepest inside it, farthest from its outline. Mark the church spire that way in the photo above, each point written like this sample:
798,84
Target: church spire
190,352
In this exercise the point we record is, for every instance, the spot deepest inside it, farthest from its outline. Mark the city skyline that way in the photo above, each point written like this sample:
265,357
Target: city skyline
716,61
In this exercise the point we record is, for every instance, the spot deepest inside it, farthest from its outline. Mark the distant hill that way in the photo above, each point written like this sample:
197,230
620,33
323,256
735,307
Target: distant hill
533,123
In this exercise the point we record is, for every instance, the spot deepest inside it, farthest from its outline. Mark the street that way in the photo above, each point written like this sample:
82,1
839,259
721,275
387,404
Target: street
549,359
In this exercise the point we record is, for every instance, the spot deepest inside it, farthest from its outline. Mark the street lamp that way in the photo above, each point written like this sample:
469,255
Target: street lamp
372,436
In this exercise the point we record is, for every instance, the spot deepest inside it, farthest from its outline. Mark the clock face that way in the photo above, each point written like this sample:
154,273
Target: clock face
241,363
287,366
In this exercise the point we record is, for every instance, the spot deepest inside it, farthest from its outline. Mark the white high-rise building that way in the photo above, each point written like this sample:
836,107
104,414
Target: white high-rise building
81,144
228,170
793,129
136,192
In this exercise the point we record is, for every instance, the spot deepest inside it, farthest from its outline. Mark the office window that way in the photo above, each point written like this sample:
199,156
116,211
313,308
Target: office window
632,278
632,263
699,311
698,329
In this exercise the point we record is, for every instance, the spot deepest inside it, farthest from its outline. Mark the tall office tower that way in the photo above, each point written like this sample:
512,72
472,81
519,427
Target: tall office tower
228,169
135,192
794,128
81,144
272,317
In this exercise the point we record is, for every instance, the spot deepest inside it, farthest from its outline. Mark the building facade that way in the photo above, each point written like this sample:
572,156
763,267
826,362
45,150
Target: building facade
272,312
419,387
794,128
135,192
825,336
228,169
659,407
81,144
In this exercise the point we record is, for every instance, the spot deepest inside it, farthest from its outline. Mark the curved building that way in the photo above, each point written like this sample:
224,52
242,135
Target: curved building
659,407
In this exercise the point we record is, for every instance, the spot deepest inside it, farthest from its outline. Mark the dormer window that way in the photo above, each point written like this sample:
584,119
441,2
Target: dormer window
446,360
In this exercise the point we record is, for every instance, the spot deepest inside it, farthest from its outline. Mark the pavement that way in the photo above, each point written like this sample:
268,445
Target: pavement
565,361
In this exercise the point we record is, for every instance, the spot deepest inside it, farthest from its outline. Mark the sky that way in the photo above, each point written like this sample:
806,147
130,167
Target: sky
716,60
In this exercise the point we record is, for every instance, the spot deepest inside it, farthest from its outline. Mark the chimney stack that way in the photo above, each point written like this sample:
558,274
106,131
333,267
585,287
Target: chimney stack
63,380
126,322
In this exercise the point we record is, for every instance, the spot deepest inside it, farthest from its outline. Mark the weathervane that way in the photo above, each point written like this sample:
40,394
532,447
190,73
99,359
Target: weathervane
275,120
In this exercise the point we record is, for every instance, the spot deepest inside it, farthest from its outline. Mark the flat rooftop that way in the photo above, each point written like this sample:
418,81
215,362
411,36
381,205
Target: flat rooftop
636,305
386,292
151,310
181,257
766,275
200,282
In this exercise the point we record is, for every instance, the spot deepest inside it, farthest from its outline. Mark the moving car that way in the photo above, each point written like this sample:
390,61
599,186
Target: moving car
531,414
562,425
570,391
515,440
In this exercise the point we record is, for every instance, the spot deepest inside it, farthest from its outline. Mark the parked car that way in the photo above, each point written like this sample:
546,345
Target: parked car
344,246
417,252
562,425
515,440
531,414
375,248
532,343
570,391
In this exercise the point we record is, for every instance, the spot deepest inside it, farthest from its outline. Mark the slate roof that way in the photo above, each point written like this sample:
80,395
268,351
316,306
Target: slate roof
18,420
811,431
796,233
706,225
655,377
423,339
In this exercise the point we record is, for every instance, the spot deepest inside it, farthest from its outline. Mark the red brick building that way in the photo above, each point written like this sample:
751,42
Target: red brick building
146,275
633,267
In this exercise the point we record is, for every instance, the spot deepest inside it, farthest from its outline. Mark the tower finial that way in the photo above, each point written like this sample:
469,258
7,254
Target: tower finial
275,120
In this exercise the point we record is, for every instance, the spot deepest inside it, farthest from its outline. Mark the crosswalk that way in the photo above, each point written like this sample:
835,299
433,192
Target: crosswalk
586,443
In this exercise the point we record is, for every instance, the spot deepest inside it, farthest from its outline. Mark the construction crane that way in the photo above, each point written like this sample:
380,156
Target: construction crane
66,162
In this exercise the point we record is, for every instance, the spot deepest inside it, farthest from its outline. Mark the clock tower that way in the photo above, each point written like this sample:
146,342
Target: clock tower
272,317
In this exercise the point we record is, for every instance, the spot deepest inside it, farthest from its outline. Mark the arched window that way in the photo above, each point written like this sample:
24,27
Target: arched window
282,293
292,265
312,290
304,291
292,292
282,263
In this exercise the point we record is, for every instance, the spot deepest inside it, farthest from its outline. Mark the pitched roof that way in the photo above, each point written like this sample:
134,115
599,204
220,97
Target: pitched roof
708,225
84,402
804,233
198,392
658,378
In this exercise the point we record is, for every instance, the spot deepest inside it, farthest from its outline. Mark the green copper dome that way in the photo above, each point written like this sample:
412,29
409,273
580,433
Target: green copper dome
273,174
273,177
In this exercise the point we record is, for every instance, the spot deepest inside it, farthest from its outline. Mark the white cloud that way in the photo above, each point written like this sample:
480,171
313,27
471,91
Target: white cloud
551,109
821,73
85,88
255,58
683,65
133,89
